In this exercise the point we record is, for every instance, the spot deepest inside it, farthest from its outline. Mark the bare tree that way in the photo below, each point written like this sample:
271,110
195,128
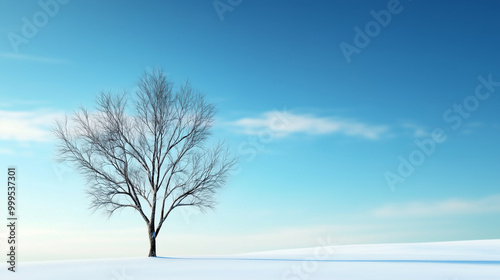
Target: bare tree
152,159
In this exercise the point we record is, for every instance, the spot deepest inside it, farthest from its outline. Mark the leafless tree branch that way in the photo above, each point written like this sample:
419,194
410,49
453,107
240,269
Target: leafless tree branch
153,158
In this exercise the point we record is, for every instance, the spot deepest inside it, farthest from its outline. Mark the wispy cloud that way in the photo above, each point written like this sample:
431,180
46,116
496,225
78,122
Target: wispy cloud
40,59
490,204
417,131
6,151
471,127
20,102
285,123
27,125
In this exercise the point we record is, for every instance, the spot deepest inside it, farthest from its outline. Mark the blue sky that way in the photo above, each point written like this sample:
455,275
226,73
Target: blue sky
317,132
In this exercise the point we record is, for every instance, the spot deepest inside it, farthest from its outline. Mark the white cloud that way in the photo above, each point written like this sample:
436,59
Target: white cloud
475,124
33,58
19,102
282,124
448,207
417,130
6,151
471,127
27,125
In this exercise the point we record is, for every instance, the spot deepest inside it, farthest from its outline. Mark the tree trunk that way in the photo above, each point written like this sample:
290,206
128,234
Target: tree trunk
152,240
151,230
152,245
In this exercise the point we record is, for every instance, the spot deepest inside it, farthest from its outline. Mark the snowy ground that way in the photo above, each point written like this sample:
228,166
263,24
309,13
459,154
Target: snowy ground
423,261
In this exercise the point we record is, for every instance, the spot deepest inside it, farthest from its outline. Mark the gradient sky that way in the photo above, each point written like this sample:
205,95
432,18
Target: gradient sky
317,132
